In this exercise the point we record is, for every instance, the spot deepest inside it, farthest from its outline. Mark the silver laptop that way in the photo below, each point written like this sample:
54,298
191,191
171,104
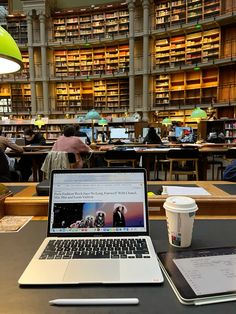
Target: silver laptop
98,230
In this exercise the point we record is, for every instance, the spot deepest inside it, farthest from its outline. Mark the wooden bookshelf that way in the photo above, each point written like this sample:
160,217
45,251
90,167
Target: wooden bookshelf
195,48
180,116
84,95
17,27
173,13
21,97
5,98
187,88
161,88
92,61
91,25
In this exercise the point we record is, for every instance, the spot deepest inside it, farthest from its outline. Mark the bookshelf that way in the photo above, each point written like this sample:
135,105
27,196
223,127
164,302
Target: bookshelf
104,94
87,49
5,98
107,60
21,97
187,88
173,13
54,127
17,27
230,131
180,116
91,25
195,48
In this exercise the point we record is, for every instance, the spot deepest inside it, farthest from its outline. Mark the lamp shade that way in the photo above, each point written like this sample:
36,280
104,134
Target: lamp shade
167,121
102,122
10,56
198,113
92,115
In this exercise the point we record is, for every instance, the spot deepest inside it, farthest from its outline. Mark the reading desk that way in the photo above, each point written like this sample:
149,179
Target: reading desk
18,248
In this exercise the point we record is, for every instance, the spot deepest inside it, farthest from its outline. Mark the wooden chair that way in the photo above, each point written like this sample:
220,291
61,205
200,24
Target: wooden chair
121,158
183,162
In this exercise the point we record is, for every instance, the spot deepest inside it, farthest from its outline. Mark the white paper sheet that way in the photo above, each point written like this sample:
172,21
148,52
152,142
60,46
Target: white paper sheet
182,190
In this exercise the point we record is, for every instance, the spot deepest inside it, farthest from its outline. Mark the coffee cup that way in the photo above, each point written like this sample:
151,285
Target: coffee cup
180,213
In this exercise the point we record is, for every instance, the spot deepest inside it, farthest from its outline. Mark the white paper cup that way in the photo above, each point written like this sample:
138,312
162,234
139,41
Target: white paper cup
180,213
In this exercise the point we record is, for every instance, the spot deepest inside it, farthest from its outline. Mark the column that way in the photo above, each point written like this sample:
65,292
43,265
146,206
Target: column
145,4
31,63
131,7
44,63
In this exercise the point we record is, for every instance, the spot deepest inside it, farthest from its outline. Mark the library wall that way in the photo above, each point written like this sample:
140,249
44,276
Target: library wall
88,58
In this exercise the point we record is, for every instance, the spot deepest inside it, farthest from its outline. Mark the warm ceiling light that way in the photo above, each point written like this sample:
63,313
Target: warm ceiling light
10,56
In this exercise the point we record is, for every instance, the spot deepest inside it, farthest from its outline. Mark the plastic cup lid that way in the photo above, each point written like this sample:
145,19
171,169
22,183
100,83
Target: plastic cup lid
180,204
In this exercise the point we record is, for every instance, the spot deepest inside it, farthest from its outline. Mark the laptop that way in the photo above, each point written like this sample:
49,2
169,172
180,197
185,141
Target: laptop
98,230
20,141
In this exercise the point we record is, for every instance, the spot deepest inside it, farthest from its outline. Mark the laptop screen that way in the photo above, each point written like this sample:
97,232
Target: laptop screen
91,202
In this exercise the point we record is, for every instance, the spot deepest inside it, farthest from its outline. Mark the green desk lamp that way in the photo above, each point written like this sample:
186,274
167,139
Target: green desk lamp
10,56
92,115
198,114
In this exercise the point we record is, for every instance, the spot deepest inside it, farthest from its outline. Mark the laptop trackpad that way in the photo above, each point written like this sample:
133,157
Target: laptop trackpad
92,271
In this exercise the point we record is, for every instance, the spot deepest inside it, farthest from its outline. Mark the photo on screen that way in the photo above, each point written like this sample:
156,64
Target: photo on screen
84,217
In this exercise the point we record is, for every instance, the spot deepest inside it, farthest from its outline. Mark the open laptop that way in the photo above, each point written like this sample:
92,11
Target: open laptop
20,141
100,207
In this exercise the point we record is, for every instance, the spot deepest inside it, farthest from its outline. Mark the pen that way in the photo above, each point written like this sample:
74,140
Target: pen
110,301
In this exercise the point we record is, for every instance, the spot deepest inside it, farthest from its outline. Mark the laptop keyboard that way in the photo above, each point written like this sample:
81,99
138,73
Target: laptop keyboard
95,248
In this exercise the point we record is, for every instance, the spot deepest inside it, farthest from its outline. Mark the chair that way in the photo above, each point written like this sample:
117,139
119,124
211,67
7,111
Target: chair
57,160
7,175
121,157
183,162
229,156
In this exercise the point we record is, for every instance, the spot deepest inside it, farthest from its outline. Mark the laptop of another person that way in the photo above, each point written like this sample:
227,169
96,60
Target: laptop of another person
98,230
20,141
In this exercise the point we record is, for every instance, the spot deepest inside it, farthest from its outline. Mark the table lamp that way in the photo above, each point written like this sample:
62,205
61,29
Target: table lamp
10,56
39,122
103,122
92,115
166,121
198,114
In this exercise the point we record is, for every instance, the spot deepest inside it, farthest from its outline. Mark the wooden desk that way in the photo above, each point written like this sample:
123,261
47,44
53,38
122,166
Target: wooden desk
219,203
37,153
147,151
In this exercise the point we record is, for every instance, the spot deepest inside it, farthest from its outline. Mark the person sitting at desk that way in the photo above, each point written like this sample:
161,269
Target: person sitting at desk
32,138
229,173
25,163
152,137
70,143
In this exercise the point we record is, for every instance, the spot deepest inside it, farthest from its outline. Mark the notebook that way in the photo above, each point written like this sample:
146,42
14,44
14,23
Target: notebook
98,230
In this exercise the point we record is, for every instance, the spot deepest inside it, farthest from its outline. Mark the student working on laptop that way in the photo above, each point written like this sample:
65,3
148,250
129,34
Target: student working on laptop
25,163
98,230
70,143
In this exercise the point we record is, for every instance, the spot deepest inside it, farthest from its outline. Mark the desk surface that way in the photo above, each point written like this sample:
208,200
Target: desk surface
18,248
